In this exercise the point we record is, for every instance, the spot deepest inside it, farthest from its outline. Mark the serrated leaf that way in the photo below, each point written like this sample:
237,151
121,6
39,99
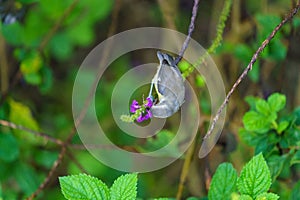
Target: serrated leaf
9,148
255,177
124,187
277,102
267,196
245,197
83,186
223,182
254,121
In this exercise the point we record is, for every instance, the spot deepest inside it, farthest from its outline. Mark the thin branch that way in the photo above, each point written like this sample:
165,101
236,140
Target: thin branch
50,174
191,29
217,40
249,67
36,133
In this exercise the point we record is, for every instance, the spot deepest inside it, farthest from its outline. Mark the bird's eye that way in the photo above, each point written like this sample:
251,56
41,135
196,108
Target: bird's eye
165,62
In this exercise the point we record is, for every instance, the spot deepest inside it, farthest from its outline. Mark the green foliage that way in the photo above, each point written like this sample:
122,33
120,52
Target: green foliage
253,183
9,149
223,182
83,186
263,117
295,192
255,177
124,188
20,114
271,133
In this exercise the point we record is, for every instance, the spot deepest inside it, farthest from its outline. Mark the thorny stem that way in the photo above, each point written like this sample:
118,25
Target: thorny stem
249,67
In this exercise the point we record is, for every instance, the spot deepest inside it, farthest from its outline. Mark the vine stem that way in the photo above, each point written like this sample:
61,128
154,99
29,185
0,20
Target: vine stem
250,65
191,29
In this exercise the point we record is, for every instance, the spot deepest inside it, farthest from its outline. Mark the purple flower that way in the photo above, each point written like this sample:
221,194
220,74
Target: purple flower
142,117
144,109
149,103
134,106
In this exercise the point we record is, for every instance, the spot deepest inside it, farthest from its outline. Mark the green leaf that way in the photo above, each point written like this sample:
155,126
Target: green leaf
255,177
267,196
9,149
82,34
295,194
291,137
277,102
278,50
32,63
61,47
254,121
223,182
26,177
276,164
20,114
124,188
296,114
33,78
262,107
296,158
251,138
13,33
243,52
245,197
283,125
47,80
251,100
45,158
83,186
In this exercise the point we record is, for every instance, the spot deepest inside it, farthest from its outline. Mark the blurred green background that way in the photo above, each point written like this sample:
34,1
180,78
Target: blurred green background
43,42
